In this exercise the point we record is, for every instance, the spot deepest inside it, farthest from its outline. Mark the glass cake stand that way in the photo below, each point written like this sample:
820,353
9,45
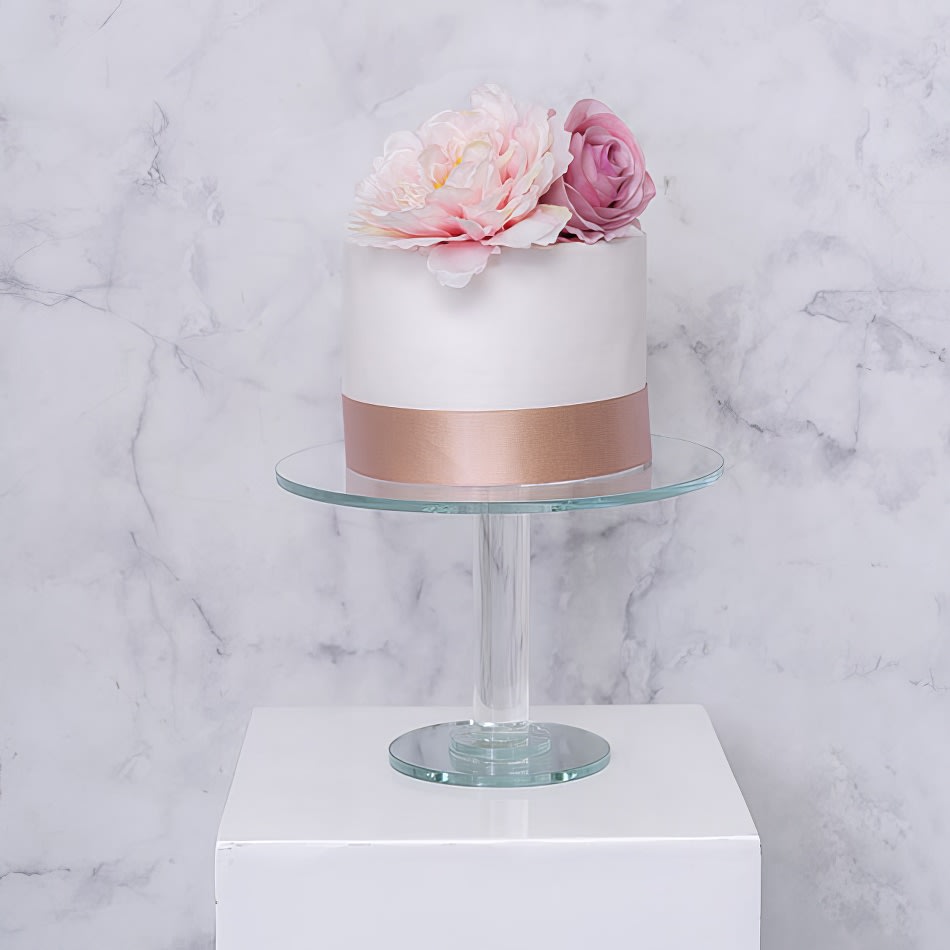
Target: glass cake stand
500,746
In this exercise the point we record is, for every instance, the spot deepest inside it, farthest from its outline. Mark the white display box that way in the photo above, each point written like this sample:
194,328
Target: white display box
323,845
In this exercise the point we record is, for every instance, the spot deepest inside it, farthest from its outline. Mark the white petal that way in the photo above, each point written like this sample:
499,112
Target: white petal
402,141
561,150
454,265
497,102
369,238
542,226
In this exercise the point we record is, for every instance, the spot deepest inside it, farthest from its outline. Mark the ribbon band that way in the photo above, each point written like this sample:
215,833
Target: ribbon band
497,447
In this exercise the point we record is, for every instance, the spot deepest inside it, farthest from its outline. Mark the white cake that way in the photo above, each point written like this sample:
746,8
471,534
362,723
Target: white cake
534,372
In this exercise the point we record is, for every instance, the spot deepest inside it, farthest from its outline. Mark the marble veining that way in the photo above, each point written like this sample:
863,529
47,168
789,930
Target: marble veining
174,181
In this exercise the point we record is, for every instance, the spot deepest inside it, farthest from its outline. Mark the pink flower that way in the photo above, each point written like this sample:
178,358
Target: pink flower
606,185
465,185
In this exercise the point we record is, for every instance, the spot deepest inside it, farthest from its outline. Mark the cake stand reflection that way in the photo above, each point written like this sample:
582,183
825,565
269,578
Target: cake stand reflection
500,746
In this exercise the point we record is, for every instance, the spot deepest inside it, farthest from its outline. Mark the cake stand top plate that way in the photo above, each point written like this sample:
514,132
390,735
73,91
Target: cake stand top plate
678,467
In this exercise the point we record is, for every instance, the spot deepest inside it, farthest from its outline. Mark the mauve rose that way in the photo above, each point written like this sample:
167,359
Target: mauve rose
606,186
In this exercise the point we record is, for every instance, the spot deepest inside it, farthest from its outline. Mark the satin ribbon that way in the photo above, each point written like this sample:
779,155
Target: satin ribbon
497,447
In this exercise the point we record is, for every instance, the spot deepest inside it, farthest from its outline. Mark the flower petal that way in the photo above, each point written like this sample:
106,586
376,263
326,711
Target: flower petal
561,150
371,239
631,228
454,265
542,226
582,110
401,141
586,235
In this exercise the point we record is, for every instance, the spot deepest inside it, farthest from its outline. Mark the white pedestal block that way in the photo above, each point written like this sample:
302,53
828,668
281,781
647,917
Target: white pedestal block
323,845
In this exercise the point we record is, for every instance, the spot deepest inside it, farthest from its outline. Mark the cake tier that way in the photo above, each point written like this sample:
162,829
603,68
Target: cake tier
535,372
550,326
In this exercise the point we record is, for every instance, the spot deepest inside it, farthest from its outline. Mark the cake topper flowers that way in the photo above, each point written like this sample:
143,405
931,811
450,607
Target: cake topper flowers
466,184
606,185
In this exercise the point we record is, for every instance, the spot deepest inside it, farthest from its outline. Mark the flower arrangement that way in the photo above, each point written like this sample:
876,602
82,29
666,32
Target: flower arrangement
466,184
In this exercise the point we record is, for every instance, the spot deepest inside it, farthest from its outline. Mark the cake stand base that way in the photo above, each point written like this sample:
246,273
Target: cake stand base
466,753
500,746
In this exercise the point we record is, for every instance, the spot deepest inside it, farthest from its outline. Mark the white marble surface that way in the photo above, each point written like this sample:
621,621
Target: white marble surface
173,181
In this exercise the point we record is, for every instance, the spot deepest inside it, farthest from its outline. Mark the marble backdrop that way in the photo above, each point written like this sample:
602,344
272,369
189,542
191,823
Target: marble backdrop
174,178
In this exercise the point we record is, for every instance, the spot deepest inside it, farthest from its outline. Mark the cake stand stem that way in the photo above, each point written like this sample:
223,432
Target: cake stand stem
500,746
500,735
501,574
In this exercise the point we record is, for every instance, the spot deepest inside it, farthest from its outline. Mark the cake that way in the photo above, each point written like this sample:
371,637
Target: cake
494,300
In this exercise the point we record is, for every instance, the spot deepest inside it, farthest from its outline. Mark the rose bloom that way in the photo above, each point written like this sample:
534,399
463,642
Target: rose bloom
606,186
466,184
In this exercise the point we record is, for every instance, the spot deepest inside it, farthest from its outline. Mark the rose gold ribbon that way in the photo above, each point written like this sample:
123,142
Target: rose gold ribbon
503,447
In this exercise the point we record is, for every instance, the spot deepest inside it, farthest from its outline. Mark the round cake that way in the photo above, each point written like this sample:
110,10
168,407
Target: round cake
536,372
495,299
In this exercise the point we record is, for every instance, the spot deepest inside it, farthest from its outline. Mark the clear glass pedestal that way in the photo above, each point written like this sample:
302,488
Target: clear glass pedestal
500,746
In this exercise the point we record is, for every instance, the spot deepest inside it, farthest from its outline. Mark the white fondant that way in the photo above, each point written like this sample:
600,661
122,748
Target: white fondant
549,326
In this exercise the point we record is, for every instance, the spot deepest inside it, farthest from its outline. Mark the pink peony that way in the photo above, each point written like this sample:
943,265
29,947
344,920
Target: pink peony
465,185
606,185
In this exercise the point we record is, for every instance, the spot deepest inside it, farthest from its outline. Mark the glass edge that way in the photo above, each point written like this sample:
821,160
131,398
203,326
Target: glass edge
553,506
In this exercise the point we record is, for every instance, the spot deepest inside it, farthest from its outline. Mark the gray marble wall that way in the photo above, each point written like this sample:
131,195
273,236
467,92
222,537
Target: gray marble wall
174,178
